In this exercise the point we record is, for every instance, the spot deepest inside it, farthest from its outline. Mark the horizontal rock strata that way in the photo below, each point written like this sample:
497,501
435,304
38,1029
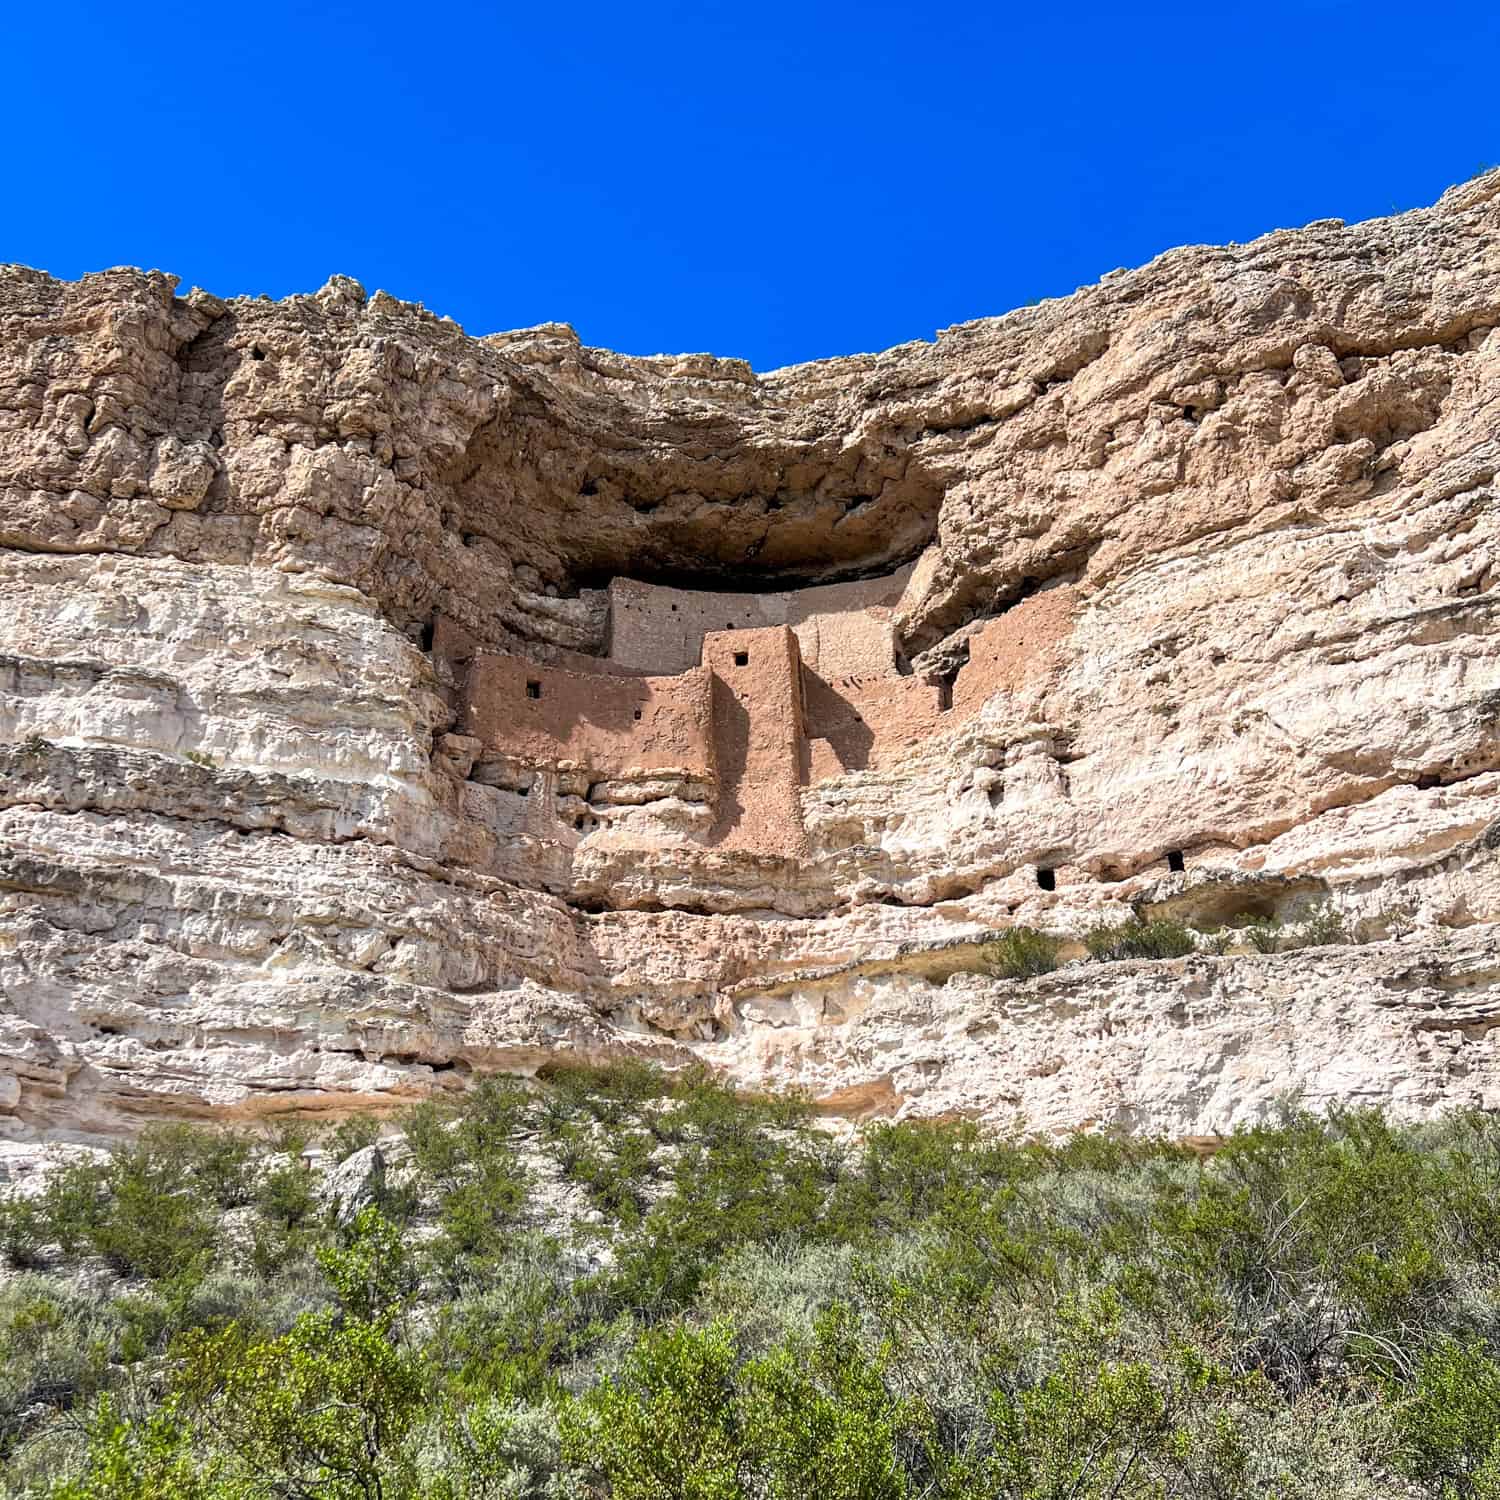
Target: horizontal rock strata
371,710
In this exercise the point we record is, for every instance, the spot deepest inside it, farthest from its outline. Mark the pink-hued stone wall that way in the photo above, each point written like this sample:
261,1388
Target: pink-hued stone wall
758,733
611,725
1006,650
842,628
762,716
867,723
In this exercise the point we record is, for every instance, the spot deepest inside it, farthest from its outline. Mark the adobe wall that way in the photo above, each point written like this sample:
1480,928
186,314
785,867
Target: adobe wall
867,724
610,724
756,717
1005,651
758,733
842,628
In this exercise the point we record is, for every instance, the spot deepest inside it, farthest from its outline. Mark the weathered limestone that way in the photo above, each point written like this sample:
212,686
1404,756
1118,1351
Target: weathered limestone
1198,562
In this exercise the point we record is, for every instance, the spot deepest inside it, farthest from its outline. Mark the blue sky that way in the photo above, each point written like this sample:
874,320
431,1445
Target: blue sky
769,179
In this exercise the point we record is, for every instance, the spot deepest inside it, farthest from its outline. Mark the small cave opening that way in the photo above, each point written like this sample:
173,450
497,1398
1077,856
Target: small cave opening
256,352
1046,879
1175,862
428,631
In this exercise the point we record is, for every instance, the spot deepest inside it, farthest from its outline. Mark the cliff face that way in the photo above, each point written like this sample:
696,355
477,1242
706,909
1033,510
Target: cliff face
1176,595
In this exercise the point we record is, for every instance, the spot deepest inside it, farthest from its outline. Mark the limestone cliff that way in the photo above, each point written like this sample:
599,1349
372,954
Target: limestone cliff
371,708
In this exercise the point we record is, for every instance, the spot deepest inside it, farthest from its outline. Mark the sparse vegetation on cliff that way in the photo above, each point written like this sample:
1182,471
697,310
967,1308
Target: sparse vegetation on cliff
1020,953
1140,937
621,1285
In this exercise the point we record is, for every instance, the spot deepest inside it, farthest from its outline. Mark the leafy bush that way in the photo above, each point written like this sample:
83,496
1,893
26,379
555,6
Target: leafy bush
1020,953
673,1290
1320,927
24,1230
352,1135
57,1345
1264,934
667,1425
1450,1426
1158,937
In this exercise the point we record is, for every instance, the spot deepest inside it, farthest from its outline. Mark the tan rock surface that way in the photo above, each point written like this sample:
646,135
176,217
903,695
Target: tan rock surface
1204,557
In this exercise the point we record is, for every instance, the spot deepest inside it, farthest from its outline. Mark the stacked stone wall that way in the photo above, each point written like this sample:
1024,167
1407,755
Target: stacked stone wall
611,725
758,734
842,628
1005,651
867,724
763,715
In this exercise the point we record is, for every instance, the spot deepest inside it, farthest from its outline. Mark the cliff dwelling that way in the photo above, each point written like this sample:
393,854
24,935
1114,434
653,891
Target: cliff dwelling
395,706
734,702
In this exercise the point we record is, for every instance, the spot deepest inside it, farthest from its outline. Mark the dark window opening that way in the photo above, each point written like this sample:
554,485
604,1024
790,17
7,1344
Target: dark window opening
533,688
728,627
742,658
1174,861
1047,879
637,714
674,609
427,632
945,695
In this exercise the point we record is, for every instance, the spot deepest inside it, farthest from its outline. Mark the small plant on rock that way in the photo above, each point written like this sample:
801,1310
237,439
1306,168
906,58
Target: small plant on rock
1019,953
1157,937
1264,934
1319,927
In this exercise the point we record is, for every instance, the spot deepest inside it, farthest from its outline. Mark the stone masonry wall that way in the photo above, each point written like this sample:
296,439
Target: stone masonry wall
763,716
758,732
866,724
842,628
611,725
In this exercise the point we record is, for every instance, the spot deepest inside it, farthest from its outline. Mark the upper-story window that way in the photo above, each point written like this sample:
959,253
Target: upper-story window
533,688
742,658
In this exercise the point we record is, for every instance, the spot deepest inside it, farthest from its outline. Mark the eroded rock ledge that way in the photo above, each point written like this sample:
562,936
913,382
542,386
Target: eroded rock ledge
380,704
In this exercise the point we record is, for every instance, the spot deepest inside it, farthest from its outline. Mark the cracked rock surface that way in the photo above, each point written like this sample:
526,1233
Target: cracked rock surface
247,864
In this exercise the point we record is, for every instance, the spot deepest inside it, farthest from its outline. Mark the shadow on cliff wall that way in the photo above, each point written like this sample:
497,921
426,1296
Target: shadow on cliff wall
731,753
833,717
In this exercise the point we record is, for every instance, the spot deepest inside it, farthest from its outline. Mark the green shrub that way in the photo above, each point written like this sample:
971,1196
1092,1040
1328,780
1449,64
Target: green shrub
24,1231
352,1135
1264,934
74,1203
765,1309
667,1428
1158,937
1319,928
149,1459
819,1420
58,1345
1450,1425
1020,953
325,1410
160,1216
